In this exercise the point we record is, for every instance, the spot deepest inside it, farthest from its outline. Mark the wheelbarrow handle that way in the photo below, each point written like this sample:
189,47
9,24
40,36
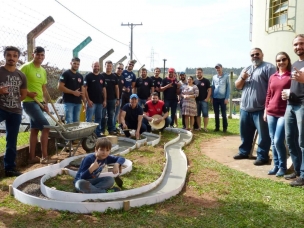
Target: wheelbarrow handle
41,105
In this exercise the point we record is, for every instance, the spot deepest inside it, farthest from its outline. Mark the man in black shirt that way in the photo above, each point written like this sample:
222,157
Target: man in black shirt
171,88
120,79
202,100
112,98
131,117
157,80
71,84
96,96
143,87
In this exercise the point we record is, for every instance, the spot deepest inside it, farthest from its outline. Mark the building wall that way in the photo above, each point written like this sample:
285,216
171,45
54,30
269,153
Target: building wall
273,42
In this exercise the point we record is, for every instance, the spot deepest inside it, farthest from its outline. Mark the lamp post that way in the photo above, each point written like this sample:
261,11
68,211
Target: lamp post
164,67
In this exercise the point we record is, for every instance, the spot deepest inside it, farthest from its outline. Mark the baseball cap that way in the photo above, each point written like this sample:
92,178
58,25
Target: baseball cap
181,73
218,65
134,96
171,70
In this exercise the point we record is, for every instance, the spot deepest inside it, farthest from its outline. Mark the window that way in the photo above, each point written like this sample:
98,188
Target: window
278,12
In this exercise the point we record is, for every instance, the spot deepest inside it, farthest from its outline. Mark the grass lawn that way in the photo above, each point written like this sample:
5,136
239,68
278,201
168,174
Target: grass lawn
214,196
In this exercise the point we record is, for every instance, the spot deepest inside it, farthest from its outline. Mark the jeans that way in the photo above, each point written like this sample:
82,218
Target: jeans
217,104
294,131
172,105
133,126
202,107
12,124
72,112
146,123
277,136
96,185
96,109
142,102
117,110
249,122
110,111
36,115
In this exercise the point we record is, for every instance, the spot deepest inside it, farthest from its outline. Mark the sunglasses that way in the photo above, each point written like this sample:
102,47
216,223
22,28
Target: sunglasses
255,54
281,60
130,64
119,68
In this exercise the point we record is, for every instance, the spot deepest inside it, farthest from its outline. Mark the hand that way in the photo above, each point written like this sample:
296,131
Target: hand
46,108
4,90
206,100
284,95
90,103
116,168
31,94
244,75
265,117
104,104
137,135
156,89
150,119
211,100
157,121
124,126
226,101
93,166
169,85
77,93
298,75
117,103
84,109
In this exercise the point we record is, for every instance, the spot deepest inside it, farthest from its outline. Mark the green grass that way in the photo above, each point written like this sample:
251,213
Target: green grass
214,196
23,140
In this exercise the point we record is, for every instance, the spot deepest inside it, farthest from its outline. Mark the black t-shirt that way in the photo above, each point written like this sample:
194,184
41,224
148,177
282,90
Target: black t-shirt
170,93
157,83
296,89
120,81
144,87
203,85
132,114
95,85
111,81
72,81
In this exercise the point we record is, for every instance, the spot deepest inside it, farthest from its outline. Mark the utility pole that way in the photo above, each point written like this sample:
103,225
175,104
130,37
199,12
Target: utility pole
164,67
131,25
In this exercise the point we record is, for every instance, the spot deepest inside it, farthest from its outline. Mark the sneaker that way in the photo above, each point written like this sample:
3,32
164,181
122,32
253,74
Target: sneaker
113,189
291,176
12,173
34,160
240,156
298,182
47,160
260,162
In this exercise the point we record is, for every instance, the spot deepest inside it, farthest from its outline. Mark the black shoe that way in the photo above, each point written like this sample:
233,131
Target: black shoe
112,133
12,173
291,176
260,162
298,182
240,156
216,130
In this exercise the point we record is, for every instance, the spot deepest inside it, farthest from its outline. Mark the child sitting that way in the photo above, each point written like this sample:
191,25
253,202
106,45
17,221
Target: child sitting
87,179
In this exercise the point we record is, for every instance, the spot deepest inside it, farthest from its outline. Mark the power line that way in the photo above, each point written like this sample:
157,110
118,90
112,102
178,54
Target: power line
90,24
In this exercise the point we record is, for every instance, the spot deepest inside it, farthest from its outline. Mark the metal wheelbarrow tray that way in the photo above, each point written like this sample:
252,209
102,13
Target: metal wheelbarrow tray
83,131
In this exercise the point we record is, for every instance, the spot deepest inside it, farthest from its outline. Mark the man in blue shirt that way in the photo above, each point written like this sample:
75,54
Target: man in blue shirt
220,94
129,83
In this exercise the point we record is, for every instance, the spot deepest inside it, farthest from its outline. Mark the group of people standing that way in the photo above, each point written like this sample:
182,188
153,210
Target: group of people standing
272,104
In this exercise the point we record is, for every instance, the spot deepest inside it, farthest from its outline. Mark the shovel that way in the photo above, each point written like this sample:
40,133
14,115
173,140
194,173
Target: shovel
118,180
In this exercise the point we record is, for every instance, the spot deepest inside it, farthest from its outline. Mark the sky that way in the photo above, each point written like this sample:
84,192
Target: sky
188,33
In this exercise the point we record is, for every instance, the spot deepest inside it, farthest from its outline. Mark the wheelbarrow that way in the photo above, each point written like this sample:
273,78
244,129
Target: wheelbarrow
82,131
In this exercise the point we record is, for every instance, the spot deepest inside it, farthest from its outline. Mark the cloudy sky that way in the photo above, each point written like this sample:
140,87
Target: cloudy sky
188,33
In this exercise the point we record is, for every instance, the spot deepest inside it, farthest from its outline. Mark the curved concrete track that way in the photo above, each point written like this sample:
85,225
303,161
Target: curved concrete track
169,183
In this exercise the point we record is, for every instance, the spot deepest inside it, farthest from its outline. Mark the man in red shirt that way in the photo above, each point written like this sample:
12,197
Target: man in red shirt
155,107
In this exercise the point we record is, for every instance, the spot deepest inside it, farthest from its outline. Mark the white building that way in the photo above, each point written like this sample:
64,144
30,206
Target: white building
274,24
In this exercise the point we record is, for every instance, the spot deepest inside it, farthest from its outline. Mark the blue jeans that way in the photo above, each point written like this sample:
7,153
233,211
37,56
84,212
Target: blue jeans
277,136
172,105
294,131
202,107
110,109
117,110
96,109
12,124
249,122
35,113
72,112
142,102
217,104
96,185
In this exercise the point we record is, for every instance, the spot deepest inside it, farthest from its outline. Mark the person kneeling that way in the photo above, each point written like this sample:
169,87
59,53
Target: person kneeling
155,114
87,179
131,118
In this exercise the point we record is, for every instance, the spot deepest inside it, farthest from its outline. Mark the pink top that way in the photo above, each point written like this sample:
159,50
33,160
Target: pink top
274,104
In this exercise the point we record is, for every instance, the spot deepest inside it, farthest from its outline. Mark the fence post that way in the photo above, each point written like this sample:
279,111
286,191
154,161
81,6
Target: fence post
103,58
80,46
32,35
230,96
119,61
